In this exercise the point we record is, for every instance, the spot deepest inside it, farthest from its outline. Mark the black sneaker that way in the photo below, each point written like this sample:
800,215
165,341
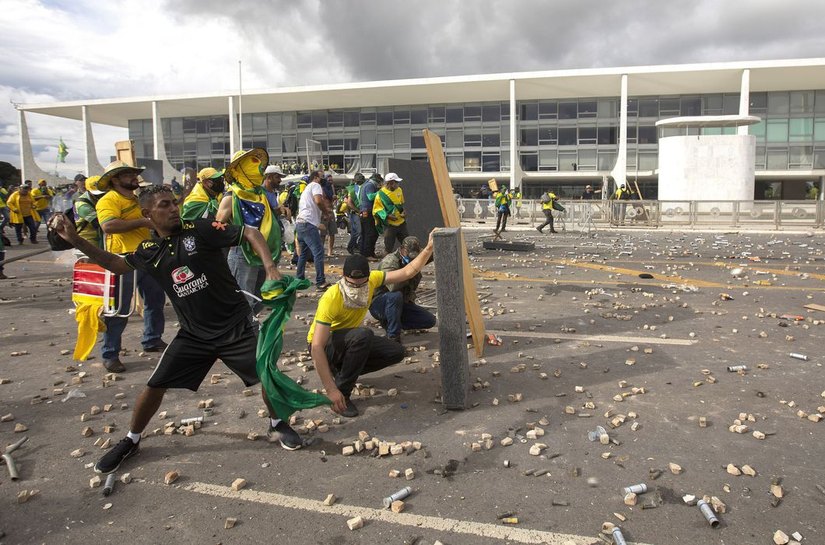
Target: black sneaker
112,459
351,411
160,346
114,365
284,434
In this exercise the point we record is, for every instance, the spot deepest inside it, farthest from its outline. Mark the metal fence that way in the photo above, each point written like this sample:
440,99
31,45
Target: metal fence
588,215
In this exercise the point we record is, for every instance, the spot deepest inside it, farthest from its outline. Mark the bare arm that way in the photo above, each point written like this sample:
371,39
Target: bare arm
224,214
115,225
258,243
115,263
413,267
322,203
319,357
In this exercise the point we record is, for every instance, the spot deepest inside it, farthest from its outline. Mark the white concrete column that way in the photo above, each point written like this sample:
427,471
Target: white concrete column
514,161
234,133
157,131
744,99
92,163
28,167
619,172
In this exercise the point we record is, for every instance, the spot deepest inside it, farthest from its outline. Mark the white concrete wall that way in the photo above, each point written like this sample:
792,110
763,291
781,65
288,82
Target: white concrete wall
713,167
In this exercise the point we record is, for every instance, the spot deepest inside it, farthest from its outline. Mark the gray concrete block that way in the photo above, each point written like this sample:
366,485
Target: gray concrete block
452,319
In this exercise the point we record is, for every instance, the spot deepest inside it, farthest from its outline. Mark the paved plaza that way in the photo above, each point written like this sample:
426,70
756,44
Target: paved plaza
585,342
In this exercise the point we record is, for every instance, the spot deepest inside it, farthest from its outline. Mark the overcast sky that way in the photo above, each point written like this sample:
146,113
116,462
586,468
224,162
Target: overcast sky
81,49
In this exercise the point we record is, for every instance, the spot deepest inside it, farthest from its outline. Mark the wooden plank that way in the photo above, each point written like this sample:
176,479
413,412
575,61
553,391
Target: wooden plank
444,190
814,306
125,151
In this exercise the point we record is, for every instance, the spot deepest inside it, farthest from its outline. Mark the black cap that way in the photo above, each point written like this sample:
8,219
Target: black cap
80,178
356,266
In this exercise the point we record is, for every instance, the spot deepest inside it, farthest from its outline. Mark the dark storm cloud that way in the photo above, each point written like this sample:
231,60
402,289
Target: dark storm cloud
372,40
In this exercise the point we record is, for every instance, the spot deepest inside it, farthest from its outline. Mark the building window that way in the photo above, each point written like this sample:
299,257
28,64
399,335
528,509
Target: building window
352,118
819,130
491,113
669,106
384,118
607,109
777,159
490,162
607,135
418,117
529,137
548,136
304,120
587,109
401,116
607,159
455,138
455,162
490,138
455,115
778,103
587,135
649,107
801,130
802,102
568,161
548,160
777,130
730,104
758,130
801,157
529,162
587,159
567,136
529,111
472,161
437,114
690,106
568,110
417,142
367,118
472,113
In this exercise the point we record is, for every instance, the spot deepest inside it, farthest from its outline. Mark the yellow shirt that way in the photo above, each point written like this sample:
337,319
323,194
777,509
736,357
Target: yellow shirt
42,197
332,312
113,206
397,198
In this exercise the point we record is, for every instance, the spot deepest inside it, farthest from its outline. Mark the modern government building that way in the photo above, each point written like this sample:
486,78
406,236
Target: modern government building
748,130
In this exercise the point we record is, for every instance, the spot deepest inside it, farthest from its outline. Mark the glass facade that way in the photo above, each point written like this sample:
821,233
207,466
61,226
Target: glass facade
553,135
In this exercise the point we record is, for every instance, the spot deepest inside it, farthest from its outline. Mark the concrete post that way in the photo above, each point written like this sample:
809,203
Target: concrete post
234,136
744,99
514,161
619,172
157,132
92,163
452,320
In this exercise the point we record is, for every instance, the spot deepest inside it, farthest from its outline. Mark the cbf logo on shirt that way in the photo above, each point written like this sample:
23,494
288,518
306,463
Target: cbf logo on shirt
182,274
189,244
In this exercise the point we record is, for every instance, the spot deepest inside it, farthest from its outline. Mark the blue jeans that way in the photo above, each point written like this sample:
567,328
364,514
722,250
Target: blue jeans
394,314
354,243
32,225
153,320
310,239
249,278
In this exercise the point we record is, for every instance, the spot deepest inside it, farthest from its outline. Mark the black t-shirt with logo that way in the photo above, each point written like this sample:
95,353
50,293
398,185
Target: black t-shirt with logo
193,272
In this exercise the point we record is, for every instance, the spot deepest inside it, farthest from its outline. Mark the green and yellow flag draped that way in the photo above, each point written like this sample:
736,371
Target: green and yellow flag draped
62,151
251,207
387,203
198,204
283,393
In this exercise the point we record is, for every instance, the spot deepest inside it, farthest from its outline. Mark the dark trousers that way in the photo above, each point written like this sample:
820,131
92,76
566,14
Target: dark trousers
369,236
393,233
153,320
501,221
358,351
394,314
32,227
548,220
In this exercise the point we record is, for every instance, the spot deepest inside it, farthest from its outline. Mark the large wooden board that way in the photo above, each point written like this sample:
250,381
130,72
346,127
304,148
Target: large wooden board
449,211
125,151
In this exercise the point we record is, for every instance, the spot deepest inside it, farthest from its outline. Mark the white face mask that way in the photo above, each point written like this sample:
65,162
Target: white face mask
354,297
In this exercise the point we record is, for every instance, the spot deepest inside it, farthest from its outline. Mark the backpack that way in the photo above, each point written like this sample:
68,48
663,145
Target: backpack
545,198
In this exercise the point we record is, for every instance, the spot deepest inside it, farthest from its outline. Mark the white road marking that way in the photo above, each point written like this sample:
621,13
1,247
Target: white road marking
440,524
599,338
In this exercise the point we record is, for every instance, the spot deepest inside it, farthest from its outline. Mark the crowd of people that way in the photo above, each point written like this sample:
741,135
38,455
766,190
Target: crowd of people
214,256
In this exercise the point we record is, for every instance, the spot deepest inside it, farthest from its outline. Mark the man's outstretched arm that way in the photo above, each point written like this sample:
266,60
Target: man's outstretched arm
115,263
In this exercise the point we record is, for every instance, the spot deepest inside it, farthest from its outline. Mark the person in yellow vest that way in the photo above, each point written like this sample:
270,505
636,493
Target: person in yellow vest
43,196
548,203
202,202
23,213
389,214
124,228
619,207
502,200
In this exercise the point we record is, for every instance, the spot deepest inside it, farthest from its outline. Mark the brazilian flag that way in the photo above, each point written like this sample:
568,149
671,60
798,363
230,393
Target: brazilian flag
283,393
250,207
62,151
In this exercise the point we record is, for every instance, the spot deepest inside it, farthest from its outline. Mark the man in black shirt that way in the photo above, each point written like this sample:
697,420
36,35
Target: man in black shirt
215,319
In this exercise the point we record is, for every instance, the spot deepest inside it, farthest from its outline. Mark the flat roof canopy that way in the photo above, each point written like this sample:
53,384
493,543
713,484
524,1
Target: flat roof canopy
687,79
709,121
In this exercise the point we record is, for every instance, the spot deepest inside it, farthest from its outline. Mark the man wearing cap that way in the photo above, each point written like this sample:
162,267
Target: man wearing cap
202,202
388,209
85,212
353,213
23,212
124,228
247,204
273,175
589,194
341,348
366,200
313,210
43,196
394,303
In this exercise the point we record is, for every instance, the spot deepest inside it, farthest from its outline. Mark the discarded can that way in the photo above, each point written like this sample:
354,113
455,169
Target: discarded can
509,520
796,356
737,368
207,412
708,513
635,489
186,421
109,485
400,495
618,537
506,463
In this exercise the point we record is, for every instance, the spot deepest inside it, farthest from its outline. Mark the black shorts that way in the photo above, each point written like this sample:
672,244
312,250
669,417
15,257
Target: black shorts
187,359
